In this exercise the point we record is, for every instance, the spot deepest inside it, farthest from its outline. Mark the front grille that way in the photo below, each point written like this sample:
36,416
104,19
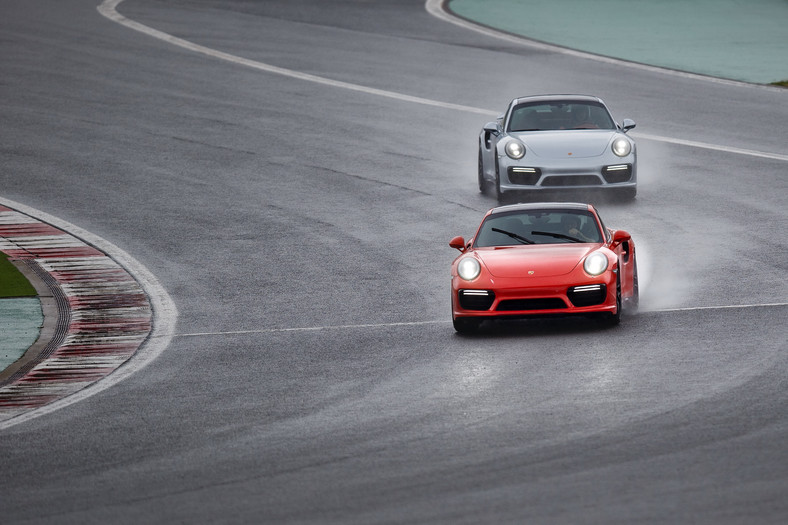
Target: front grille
571,180
588,295
513,305
524,176
617,173
476,299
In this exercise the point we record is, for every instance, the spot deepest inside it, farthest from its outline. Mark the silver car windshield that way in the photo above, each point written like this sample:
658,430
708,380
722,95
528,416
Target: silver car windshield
560,115
538,227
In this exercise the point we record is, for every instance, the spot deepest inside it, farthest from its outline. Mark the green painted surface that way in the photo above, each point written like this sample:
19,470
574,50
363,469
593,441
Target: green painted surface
731,39
20,324
12,282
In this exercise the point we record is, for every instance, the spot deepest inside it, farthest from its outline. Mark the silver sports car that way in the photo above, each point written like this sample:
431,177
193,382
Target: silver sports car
551,142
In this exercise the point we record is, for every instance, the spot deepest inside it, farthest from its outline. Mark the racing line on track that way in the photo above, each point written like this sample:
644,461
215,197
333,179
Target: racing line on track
105,318
424,323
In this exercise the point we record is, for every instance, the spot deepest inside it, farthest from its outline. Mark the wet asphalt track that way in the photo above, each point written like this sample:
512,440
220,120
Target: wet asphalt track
301,230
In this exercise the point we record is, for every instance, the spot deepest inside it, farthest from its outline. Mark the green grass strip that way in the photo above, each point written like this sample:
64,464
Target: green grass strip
12,282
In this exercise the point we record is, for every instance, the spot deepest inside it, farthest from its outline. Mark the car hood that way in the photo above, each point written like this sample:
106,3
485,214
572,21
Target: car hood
567,143
536,260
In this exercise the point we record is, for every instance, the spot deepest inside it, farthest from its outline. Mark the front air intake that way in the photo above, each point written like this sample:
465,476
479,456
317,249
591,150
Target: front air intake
516,305
617,173
476,299
587,295
524,176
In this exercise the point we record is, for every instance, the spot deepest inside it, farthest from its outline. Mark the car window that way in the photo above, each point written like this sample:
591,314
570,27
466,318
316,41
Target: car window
538,227
560,116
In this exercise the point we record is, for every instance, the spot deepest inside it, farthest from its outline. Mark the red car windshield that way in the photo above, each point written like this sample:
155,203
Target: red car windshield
538,227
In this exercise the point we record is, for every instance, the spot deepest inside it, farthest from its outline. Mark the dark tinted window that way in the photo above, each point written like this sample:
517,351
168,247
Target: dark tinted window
560,115
538,226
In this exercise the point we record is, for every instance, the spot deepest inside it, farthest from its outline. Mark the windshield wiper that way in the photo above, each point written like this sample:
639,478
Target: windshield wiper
514,236
559,236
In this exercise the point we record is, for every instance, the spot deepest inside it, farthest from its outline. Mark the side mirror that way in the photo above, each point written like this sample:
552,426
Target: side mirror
627,124
620,236
492,127
458,242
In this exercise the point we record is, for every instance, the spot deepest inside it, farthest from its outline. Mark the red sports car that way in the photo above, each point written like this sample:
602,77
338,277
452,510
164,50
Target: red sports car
543,259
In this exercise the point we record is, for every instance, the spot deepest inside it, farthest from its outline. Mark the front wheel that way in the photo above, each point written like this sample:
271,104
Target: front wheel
498,194
614,318
482,182
631,303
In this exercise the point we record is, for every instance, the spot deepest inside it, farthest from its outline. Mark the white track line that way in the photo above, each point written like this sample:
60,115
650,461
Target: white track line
311,328
434,7
107,8
423,323
714,147
724,307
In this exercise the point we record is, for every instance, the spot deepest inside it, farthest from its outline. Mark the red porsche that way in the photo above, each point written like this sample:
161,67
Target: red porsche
543,259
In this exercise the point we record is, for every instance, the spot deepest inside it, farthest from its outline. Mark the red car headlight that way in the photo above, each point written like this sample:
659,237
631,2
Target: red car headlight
595,264
469,268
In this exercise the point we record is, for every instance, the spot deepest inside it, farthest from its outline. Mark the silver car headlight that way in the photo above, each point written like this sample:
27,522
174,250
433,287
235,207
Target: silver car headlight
622,147
469,268
595,264
514,149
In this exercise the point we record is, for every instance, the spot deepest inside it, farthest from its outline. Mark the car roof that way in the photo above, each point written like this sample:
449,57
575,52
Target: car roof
542,206
556,97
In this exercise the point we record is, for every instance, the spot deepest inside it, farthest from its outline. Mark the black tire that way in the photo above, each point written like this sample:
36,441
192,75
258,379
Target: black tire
610,318
498,195
482,182
631,304
465,325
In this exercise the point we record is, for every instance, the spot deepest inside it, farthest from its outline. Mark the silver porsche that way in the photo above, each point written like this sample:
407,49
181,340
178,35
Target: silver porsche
557,142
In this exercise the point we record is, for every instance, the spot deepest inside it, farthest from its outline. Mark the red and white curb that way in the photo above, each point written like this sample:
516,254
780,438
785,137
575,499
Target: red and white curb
103,314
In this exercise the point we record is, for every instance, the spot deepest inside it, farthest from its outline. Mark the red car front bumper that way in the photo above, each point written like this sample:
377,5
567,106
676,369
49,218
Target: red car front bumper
523,297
